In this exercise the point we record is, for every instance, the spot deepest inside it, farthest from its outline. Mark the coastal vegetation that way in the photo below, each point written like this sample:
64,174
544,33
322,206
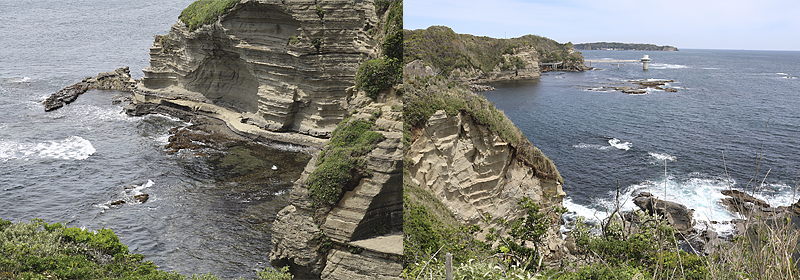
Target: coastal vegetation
446,50
382,73
204,12
623,47
38,250
341,164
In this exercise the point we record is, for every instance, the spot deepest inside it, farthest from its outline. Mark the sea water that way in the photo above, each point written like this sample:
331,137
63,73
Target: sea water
72,164
743,105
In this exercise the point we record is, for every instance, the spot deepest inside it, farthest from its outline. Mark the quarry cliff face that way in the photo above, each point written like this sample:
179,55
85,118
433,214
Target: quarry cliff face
477,175
285,65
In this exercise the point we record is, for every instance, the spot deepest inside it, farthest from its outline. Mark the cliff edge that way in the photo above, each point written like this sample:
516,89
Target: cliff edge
475,167
282,65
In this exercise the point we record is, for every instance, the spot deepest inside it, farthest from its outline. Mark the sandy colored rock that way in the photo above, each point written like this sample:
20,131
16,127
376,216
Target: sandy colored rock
475,173
261,59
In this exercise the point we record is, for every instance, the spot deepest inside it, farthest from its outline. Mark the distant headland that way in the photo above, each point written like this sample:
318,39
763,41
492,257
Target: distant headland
623,47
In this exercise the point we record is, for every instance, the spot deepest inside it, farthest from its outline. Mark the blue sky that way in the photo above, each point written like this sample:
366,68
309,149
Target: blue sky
689,24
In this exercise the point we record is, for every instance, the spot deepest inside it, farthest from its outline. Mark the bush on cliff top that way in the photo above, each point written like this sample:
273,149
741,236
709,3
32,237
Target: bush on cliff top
204,12
342,160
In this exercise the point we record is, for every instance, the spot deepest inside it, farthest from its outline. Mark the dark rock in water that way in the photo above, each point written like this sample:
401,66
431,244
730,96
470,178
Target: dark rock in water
142,198
119,79
741,202
65,96
118,202
677,214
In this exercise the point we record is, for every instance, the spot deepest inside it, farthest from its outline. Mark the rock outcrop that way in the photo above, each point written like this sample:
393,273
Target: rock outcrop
119,79
677,214
343,241
476,174
282,64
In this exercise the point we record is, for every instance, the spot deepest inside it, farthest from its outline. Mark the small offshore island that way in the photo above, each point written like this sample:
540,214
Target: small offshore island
623,47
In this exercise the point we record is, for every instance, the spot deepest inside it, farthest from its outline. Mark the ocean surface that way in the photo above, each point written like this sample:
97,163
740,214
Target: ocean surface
69,165
744,105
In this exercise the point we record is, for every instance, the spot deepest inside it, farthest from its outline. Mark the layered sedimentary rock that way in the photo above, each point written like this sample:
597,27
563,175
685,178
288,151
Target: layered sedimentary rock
284,65
342,242
478,176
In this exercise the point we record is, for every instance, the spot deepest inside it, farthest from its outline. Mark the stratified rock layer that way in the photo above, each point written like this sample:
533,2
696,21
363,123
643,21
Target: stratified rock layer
343,241
282,64
476,174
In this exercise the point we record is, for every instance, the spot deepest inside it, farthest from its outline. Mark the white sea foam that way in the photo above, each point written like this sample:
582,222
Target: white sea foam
616,143
576,210
782,74
660,157
667,66
699,193
591,146
72,148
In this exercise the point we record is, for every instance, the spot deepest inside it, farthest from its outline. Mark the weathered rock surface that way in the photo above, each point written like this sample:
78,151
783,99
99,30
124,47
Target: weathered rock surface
677,214
475,173
119,79
279,63
528,69
375,202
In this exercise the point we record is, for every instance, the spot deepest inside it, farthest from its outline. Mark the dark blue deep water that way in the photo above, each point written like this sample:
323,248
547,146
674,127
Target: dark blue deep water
727,101
70,164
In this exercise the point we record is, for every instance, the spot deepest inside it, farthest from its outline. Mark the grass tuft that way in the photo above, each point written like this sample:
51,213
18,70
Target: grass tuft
203,12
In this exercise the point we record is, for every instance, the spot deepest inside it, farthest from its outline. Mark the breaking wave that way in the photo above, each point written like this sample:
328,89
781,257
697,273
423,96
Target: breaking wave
72,148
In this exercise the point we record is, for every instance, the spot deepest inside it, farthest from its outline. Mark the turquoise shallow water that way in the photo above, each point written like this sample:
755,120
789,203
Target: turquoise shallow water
723,103
69,165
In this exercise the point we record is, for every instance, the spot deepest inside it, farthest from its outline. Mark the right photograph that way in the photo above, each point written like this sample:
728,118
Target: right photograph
601,140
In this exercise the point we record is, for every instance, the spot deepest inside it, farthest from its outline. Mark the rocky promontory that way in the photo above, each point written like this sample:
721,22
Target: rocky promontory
474,59
119,79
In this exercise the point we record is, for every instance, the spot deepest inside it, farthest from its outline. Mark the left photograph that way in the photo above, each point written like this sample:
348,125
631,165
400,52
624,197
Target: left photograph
209,139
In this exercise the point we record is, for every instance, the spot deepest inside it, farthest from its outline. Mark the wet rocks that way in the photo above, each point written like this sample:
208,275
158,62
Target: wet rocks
119,79
677,214
741,202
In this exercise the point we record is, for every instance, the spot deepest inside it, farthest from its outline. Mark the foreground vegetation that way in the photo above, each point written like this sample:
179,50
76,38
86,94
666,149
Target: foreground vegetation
38,250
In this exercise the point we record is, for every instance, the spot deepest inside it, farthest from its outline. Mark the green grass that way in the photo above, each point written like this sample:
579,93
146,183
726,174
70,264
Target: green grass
430,228
424,96
204,12
341,164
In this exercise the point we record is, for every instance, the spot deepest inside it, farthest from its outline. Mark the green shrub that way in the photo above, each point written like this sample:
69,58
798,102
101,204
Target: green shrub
205,12
341,162
274,274
320,12
317,43
38,250
376,75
